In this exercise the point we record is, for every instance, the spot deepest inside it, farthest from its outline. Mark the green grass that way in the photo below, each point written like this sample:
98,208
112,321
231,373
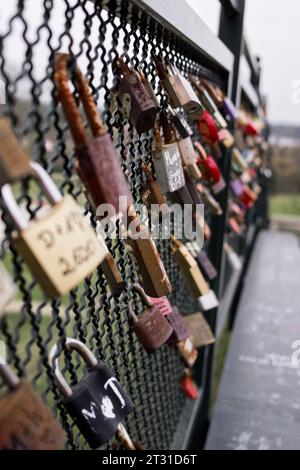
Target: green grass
285,204
219,362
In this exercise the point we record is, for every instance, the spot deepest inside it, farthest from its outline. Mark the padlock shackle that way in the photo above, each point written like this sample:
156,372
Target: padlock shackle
61,78
8,375
71,344
124,438
44,179
139,290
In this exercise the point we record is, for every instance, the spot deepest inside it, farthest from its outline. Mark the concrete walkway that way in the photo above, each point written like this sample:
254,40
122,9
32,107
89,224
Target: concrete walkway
258,406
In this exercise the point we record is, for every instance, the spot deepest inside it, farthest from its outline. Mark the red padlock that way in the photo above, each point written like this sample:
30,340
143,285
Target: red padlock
208,166
208,128
248,197
189,386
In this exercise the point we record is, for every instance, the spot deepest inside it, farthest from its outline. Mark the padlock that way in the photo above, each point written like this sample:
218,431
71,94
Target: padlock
113,275
180,123
188,351
26,423
61,248
163,304
182,197
7,288
206,266
145,256
210,169
97,403
189,157
148,87
136,98
180,330
229,110
234,226
97,163
208,129
248,197
192,188
14,161
179,90
226,139
167,159
202,335
247,124
208,102
209,200
239,160
151,326
152,194
194,278
189,385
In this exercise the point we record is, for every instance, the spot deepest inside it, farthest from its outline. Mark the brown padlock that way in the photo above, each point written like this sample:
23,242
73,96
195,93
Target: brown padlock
14,161
138,103
113,275
26,423
178,88
141,248
152,193
151,327
201,332
97,163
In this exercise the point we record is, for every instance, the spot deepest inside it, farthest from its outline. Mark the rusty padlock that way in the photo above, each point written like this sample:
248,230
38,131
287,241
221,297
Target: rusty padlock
167,159
113,275
61,248
202,335
178,88
97,163
152,194
138,102
151,326
14,161
26,423
144,254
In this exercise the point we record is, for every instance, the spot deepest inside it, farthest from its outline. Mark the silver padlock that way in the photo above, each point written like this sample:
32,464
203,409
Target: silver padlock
60,248
167,159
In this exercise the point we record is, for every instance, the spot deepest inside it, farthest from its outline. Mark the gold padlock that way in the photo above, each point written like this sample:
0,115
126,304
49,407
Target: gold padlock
61,248
144,254
14,161
193,275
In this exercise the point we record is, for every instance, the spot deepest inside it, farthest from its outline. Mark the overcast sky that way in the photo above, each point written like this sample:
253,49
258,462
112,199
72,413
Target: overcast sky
273,31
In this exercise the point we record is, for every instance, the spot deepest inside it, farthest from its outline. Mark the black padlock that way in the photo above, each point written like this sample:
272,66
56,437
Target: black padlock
181,124
98,404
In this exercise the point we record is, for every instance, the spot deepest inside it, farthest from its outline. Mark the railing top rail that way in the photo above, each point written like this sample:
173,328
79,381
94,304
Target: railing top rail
178,17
